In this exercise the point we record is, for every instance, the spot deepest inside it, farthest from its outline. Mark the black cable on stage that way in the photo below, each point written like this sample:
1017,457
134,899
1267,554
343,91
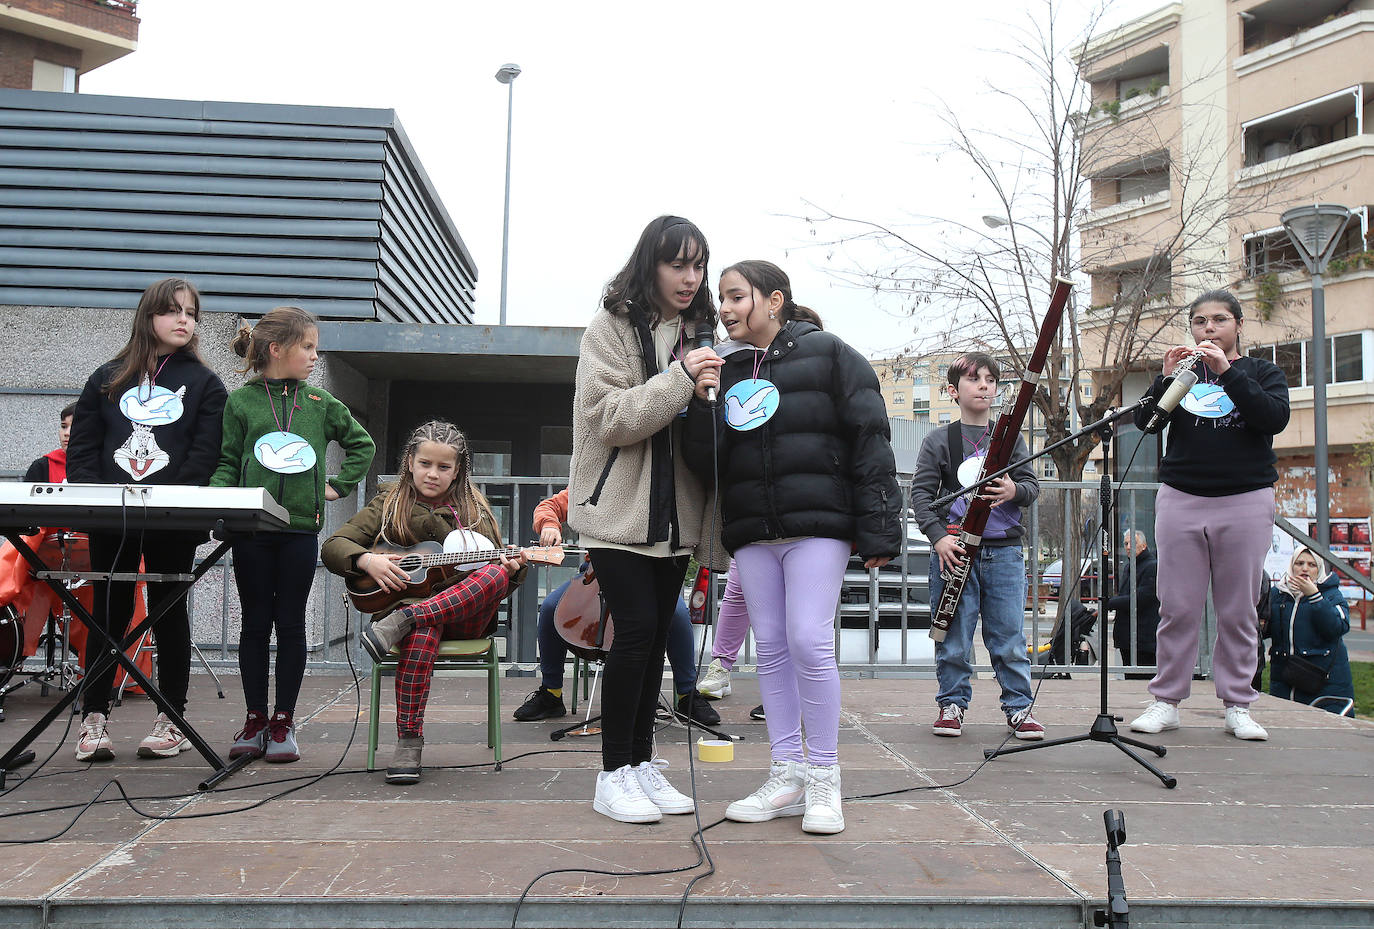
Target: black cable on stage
698,837
307,779
79,687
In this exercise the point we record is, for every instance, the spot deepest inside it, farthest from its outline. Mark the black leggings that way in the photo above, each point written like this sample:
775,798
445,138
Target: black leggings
273,572
163,553
642,594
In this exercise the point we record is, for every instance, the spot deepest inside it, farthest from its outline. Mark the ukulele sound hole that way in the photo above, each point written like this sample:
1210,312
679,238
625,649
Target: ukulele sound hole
409,563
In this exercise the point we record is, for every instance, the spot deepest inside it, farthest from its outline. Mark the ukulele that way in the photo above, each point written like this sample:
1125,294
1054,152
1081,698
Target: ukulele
428,564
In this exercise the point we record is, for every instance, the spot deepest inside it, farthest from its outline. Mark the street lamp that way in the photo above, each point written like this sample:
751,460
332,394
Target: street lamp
507,75
1315,232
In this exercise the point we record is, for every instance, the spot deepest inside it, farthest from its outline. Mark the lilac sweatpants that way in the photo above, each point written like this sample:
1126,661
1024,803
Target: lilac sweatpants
1217,539
732,621
791,589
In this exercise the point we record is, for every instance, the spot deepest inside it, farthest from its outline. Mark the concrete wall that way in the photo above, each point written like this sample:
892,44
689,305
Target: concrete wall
50,353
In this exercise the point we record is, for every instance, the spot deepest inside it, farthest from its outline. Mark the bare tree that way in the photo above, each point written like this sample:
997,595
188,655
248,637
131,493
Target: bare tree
1057,156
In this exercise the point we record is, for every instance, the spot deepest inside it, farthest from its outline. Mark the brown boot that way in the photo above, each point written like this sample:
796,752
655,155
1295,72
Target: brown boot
405,761
381,637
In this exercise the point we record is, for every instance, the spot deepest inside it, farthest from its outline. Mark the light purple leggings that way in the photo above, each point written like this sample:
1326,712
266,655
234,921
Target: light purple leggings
1221,540
791,589
732,621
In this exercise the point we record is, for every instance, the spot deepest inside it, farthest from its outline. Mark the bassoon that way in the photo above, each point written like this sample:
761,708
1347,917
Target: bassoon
1000,448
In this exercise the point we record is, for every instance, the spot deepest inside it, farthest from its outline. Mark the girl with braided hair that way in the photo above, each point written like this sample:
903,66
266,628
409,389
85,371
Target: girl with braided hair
433,497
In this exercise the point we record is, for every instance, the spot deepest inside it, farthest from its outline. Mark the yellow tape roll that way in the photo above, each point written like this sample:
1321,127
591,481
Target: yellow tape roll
715,750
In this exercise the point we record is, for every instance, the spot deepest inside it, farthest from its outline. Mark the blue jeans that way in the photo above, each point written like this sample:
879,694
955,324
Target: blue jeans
996,589
553,651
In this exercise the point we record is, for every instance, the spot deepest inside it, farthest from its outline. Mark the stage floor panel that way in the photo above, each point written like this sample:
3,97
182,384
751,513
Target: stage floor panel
1265,833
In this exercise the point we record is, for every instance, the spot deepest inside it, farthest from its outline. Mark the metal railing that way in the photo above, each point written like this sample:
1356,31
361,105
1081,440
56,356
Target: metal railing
881,622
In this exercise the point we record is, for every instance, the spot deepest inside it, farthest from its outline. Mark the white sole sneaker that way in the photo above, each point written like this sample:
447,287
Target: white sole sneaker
738,814
624,816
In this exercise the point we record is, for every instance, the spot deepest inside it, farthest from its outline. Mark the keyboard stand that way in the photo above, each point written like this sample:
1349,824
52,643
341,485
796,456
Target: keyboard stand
114,651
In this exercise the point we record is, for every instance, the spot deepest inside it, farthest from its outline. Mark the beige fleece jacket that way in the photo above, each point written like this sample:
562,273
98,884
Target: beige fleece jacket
616,411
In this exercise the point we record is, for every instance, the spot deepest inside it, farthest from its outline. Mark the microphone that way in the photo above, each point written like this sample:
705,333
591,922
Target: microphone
705,337
1182,383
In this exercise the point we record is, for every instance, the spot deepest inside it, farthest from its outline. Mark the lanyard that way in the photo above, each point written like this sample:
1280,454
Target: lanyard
456,518
153,383
676,355
759,355
974,442
272,406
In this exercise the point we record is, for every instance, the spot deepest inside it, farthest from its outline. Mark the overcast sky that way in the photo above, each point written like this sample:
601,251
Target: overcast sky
731,114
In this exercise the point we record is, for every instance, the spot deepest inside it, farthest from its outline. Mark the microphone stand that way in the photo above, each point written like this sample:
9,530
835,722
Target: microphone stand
1104,726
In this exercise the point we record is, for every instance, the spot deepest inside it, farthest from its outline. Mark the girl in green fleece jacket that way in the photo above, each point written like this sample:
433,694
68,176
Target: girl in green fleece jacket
276,430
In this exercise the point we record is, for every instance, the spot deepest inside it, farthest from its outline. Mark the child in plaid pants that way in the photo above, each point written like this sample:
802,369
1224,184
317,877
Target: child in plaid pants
434,498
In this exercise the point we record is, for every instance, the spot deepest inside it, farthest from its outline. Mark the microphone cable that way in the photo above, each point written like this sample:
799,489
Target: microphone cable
698,837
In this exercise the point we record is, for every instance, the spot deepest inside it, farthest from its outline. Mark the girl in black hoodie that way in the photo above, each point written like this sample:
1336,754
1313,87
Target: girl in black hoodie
151,415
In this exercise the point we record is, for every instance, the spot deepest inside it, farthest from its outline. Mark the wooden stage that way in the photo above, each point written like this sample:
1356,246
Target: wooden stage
1275,833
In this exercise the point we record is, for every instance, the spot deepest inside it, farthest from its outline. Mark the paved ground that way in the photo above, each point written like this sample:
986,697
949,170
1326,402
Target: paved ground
1275,833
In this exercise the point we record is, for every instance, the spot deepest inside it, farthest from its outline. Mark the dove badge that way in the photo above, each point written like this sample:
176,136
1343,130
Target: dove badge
152,406
284,453
750,404
1208,401
968,471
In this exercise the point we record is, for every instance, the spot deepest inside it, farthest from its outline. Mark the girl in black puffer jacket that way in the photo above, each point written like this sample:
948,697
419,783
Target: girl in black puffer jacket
806,476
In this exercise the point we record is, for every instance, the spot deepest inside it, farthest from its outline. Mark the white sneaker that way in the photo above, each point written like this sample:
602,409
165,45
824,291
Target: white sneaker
619,796
660,793
93,744
165,741
1157,717
716,682
823,800
1240,725
783,794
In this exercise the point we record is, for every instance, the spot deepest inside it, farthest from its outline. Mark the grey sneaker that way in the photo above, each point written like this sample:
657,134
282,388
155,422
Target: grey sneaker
381,637
281,739
251,740
405,760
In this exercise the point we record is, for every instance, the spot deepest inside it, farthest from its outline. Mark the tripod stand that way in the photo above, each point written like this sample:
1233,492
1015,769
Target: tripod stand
1104,726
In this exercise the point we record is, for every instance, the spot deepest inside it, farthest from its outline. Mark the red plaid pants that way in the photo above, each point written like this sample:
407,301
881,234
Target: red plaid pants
467,610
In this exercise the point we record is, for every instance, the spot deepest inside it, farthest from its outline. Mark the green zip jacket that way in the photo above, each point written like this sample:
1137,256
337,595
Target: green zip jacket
255,452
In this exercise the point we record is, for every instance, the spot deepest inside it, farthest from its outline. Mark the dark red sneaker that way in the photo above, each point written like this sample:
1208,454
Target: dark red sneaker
1024,725
950,722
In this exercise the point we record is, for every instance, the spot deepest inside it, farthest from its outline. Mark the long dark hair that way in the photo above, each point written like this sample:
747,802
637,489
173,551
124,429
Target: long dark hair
139,356
664,239
766,277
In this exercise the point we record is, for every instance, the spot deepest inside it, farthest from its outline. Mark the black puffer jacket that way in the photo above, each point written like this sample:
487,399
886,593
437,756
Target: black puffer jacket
822,466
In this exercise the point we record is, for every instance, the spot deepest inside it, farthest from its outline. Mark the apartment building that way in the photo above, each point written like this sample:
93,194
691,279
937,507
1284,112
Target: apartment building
1209,119
49,44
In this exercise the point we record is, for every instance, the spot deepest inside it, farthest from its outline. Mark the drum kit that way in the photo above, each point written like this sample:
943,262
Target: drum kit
49,637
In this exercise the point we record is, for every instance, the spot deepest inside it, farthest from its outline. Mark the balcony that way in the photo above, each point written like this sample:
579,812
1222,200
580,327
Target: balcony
1126,209
1283,29
1106,113
102,30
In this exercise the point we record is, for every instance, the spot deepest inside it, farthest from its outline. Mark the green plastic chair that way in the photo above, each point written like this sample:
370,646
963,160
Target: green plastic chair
453,655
